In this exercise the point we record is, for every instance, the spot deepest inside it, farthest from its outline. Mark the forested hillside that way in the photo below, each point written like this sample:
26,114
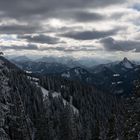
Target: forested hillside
53,108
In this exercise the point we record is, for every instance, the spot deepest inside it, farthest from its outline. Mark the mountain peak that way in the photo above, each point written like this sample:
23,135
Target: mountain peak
127,63
125,59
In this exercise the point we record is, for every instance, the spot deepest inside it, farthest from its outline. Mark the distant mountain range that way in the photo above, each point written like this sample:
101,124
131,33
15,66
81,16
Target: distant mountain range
116,77
73,62
42,67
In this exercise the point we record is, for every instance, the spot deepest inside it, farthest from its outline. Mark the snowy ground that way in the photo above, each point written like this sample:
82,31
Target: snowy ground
54,94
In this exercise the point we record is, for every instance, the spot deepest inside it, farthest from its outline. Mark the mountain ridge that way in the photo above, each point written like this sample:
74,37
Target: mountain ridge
37,108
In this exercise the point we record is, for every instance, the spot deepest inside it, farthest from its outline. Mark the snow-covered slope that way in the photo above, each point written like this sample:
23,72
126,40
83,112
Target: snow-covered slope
58,95
54,94
127,64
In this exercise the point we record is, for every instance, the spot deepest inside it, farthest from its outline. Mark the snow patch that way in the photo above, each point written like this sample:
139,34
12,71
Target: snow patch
67,75
113,83
119,91
44,91
57,95
116,75
77,71
54,94
33,78
28,72
119,82
128,65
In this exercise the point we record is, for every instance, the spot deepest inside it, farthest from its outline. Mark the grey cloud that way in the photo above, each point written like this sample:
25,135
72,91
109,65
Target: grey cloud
87,16
16,47
19,29
35,11
47,48
41,39
80,15
71,49
26,8
52,48
62,29
111,44
80,49
117,15
88,35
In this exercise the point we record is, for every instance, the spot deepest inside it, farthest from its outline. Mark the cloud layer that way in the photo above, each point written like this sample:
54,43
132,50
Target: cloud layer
76,27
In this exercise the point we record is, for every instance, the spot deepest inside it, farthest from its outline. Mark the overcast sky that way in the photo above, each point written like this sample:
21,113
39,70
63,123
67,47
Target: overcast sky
107,29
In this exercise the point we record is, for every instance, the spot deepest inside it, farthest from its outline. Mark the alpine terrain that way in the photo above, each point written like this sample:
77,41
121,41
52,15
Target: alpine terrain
54,107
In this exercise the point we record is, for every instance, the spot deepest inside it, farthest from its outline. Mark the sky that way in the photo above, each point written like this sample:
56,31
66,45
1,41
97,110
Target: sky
105,29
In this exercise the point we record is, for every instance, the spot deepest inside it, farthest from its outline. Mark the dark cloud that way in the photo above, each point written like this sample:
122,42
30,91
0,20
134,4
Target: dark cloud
19,29
88,35
33,12
111,44
87,16
41,39
17,47
80,16
29,8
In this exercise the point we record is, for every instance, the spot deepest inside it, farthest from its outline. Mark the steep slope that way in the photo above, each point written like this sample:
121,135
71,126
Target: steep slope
23,105
16,92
